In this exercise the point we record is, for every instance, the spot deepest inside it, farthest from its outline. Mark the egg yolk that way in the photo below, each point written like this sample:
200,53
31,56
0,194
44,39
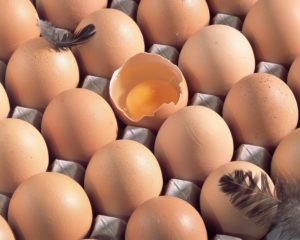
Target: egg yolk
146,97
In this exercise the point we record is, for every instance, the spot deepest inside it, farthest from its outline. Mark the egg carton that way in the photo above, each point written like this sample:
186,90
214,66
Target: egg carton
4,202
106,227
29,115
275,69
141,135
2,72
229,20
225,237
169,52
98,85
207,100
129,7
254,154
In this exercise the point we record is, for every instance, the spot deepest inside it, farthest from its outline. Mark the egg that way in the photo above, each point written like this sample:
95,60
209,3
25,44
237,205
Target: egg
121,176
147,89
220,215
4,103
23,153
171,22
293,79
5,230
67,13
165,218
260,110
50,206
215,58
77,123
117,39
272,28
285,161
36,73
232,7
192,142
18,24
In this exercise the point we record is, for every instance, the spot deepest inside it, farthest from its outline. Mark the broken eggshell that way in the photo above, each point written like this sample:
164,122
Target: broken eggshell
138,90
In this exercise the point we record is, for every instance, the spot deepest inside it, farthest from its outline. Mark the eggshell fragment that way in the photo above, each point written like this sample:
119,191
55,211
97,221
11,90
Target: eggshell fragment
4,103
121,176
37,72
77,123
293,79
50,206
23,153
171,22
147,89
220,215
167,218
117,39
233,7
260,110
193,142
215,58
5,230
18,24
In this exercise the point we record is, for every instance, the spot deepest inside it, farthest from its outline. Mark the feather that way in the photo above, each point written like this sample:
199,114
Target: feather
62,39
259,202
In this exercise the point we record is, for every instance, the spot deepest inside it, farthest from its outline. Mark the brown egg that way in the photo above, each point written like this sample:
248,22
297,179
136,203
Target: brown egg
42,73
4,103
18,24
5,230
215,58
67,13
171,22
117,39
121,176
23,153
260,110
167,218
77,123
147,89
272,28
50,206
293,80
285,162
192,142
232,7
220,215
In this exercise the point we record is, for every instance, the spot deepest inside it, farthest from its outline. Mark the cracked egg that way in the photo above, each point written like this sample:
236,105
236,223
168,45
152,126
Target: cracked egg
147,89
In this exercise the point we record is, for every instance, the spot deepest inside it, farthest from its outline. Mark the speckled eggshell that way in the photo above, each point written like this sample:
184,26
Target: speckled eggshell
37,72
67,13
23,153
232,7
117,39
215,58
218,213
77,123
167,218
293,80
5,230
4,103
192,142
260,110
50,206
272,28
18,24
121,176
171,22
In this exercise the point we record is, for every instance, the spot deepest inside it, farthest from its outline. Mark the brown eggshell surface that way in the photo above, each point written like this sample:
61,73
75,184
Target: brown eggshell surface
272,28
121,176
37,72
77,123
67,13
171,22
232,7
147,89
193,142
50,206
23,153
4,103
167,218
5,230
260,110
18,24
117,39
293,80
215,58
218,212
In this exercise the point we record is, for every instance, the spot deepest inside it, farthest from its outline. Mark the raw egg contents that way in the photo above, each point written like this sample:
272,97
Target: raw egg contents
148,96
